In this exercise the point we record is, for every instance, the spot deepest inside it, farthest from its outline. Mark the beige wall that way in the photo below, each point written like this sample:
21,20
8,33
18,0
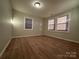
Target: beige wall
5,25
73,33
19,25
40,30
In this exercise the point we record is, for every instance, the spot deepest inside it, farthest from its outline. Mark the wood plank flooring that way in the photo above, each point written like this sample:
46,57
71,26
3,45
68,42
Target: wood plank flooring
41,47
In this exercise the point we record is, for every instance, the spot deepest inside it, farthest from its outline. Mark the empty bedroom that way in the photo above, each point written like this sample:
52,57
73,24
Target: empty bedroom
39,29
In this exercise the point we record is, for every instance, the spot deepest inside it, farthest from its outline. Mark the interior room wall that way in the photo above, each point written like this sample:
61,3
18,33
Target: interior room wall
73,33
18,26
5,25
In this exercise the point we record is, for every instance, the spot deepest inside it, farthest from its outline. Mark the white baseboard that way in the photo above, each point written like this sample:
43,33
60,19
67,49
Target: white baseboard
50,36
25,36
64,39
5,47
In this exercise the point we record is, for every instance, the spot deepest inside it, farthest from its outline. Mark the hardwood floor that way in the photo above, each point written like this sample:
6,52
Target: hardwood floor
41,47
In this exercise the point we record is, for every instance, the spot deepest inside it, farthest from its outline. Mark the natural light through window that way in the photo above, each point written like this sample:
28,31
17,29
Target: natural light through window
62,23
51,24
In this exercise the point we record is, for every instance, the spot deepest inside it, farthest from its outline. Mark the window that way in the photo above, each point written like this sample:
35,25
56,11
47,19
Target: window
62,23
51,24
28,23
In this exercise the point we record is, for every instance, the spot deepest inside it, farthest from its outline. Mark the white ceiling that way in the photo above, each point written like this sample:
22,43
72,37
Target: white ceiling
48,6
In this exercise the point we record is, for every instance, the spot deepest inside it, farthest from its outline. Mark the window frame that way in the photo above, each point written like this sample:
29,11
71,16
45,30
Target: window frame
67,23
51,24
25,22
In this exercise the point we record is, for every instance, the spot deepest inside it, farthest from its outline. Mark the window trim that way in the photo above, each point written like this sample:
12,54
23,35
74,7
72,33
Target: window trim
67,23
24,23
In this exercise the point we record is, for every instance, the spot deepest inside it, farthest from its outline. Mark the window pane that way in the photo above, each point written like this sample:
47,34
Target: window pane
51,21
62,19
61,27
28,23
51,26
28,26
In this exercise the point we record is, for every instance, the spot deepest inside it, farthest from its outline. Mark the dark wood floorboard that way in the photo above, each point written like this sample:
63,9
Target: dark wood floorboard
41,47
